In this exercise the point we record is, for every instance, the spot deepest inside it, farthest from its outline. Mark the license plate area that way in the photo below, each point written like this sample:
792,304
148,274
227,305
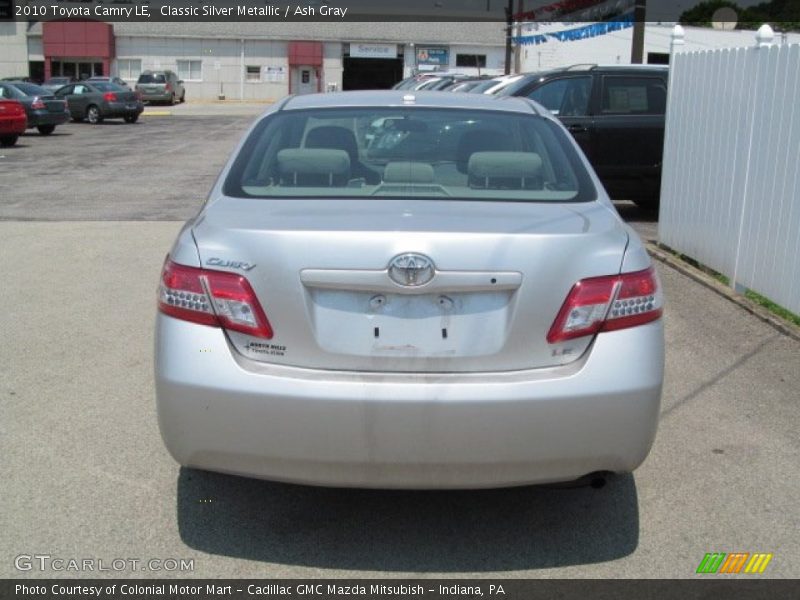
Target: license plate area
360,323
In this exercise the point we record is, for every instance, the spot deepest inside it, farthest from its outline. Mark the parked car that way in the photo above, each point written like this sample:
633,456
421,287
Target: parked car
13,121
463,86
161,86
456,306
95,101
43,110
55,83
115,80
616,114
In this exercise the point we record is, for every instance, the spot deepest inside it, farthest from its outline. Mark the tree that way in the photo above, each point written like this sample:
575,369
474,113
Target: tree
782,15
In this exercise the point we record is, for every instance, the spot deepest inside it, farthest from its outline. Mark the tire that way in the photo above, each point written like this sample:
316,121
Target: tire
93,115
8,140
183,96
131,118
171,101
46,129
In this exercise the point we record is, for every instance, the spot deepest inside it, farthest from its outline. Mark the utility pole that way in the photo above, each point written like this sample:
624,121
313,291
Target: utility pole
517,48
639,17
509,25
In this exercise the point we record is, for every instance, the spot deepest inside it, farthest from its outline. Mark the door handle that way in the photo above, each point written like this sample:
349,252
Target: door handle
577,129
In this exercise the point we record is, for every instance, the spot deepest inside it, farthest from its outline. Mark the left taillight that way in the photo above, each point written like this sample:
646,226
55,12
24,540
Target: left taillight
37,104
215,298
608,304
110,97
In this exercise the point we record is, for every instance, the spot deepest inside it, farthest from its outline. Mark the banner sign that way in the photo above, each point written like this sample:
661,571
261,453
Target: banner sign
578,33
373,50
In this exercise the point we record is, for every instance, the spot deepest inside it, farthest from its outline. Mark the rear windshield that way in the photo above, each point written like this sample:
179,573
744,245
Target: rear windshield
152,78
105,86
30,89
409,153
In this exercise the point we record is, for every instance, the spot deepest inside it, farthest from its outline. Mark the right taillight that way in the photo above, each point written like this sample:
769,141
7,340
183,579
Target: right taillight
215,298
607,304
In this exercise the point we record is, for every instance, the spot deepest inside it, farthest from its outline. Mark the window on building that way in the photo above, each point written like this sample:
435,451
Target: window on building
129,68
253,73
657,58
471,60
190,70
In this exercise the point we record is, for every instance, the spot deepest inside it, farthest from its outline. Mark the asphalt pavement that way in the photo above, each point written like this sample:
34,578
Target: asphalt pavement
88,215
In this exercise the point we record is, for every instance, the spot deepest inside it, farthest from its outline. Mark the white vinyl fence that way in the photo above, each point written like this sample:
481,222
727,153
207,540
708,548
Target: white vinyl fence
730,193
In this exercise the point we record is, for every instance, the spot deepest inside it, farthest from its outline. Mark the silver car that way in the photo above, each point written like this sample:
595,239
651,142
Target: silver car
408,290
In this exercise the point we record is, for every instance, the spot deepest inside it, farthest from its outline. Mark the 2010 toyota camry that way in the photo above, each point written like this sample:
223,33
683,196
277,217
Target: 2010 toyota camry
408,290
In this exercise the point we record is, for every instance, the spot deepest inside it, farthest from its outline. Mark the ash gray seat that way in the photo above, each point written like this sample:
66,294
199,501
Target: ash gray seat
341,138
408,172
505,170
303,167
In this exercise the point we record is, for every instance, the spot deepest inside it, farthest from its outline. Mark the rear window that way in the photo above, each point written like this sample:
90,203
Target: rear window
105,86
409,153
32,90
152,78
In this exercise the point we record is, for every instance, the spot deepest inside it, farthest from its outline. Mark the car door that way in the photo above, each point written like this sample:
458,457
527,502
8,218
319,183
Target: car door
628,133
568,98
77,100
66,93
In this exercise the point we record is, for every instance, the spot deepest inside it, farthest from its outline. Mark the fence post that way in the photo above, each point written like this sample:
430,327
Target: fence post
764,36
676,39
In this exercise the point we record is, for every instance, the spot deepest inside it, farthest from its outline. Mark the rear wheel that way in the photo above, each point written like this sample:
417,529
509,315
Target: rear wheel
8,140
171,100
46,129
131,118
93,115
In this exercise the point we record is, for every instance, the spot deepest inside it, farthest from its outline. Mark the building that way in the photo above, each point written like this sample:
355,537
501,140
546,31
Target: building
546,46
253,60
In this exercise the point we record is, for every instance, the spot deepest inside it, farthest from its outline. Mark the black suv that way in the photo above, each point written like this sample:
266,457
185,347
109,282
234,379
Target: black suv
616,114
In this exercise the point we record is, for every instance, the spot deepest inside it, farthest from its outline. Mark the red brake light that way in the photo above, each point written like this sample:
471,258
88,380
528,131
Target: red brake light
607,304
168,87
37,103
215,298
110,97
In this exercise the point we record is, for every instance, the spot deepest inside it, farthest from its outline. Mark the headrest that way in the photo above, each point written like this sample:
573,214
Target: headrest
318,161
408,172
505,165
334,137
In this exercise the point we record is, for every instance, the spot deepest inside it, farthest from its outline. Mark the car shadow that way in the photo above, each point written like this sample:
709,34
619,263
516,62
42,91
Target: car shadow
437,531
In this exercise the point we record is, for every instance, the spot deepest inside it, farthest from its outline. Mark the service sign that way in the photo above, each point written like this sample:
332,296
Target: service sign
373,51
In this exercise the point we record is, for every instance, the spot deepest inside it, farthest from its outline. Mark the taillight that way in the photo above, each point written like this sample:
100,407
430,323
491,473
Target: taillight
215,298
138,95
168,87
37,103
110,97
607,304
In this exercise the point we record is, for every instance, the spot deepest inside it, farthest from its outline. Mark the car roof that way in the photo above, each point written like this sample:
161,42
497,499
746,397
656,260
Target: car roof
394,98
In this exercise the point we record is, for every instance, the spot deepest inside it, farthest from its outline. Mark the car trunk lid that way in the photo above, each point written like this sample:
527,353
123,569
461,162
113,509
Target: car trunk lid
321,271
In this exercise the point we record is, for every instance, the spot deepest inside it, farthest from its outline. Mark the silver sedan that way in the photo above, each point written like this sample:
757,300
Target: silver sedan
408,290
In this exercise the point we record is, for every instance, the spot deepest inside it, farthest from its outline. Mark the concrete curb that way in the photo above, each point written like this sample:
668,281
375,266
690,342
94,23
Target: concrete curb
709,282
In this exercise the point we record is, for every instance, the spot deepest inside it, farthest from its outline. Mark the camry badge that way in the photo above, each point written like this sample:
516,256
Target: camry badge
411,269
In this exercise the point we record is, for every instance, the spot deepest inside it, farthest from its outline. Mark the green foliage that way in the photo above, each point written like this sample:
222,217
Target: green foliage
782,15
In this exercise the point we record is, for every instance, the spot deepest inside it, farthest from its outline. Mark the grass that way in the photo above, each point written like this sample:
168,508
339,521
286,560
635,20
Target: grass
754,297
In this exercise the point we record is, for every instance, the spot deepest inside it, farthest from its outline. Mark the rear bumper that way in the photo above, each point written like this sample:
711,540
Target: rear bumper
165,97
221,412
13,125
43,117
122,109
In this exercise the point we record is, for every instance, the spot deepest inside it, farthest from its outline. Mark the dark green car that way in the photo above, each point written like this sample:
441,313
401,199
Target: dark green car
95,101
